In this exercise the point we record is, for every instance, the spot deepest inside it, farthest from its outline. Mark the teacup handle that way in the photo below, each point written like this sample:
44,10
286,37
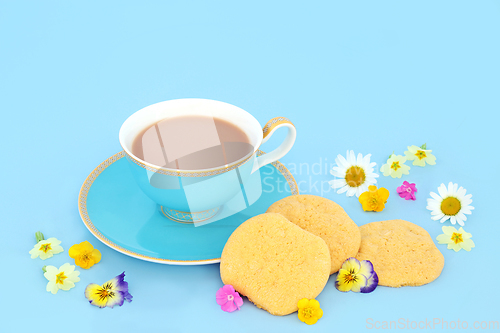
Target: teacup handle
267,131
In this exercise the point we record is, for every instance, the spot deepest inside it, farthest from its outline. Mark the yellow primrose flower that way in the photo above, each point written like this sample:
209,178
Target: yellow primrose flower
84,254
63,278
374,200
309,311
456,239
395,167
420,155
46,248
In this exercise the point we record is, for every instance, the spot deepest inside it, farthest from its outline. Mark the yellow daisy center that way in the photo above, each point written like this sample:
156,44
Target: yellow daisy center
45,247
451,206
457,238
395,166
420,154
60,278
355,176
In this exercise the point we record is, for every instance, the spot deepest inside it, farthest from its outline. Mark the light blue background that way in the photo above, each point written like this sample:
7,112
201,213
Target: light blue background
372,76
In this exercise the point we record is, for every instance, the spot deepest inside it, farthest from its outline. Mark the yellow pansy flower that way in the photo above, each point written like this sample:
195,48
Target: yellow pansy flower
84,254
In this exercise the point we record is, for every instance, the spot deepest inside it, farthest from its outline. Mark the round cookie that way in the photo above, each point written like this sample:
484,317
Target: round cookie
275,263
402,253
323,218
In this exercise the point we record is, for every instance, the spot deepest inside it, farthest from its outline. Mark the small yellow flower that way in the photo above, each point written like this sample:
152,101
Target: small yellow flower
456,239
395,167
420,155
309,311
84,254
63,278
374,200
46,248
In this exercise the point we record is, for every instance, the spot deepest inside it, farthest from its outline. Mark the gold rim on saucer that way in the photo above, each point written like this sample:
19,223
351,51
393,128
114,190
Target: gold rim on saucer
82,207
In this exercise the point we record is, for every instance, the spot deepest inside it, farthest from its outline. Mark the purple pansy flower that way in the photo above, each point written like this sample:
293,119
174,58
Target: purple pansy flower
407,191
228,299
357,276
114,292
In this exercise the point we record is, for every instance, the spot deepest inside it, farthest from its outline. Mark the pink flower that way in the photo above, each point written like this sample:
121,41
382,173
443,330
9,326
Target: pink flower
228,299
407,191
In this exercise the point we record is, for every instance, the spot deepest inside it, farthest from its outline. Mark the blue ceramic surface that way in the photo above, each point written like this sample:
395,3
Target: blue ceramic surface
120,215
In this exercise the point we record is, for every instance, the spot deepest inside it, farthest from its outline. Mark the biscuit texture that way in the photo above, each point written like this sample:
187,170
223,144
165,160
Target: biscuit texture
323,218
275,263
402,253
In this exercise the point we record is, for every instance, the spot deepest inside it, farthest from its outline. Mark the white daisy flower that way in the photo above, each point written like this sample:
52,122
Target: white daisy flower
354,174
451,203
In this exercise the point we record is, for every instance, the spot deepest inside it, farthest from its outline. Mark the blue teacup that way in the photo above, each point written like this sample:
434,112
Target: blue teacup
196,195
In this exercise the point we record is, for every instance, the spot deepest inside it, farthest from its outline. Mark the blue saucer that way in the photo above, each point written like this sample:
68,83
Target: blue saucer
121,216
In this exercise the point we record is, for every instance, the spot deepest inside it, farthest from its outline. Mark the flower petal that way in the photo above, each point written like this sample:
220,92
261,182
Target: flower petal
116,299
311,320
96,255
351,191
314,304
444,239
343,189
443,192
337,183
302,303
341,161
238,300
229,307
52,287
468,244
366,268
93,292
340,283
352,265
371,284
360,283
74,251
384,194
67,268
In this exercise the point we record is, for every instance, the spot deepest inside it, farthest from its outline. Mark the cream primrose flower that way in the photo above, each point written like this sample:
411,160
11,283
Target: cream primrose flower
451,203
456,239
420,155
395,166
354,174
46,248
63,278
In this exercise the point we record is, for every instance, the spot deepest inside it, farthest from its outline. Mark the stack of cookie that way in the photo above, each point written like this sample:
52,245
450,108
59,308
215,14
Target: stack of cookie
288,253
